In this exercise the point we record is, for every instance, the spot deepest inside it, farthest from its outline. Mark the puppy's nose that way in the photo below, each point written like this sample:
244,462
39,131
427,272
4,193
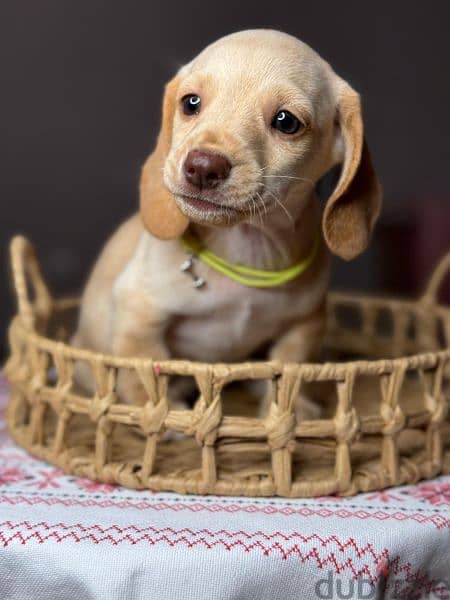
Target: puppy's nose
205,169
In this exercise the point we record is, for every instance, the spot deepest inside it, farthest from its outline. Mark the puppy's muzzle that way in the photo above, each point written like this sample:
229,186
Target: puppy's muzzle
205,170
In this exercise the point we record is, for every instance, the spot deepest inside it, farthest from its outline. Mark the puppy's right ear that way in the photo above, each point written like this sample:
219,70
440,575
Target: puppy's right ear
159,211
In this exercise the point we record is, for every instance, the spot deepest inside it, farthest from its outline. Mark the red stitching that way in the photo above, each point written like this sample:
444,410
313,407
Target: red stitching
135,534
328,561
171,537
324,541
438,521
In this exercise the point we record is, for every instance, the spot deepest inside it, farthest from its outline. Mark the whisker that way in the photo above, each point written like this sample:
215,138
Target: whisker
279,203
253,207
258,206
288,177
264,205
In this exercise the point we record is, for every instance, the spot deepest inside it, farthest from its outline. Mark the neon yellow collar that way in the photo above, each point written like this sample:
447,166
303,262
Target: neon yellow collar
247,275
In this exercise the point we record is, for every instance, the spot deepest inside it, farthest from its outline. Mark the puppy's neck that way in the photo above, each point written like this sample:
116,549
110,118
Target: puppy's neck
274,240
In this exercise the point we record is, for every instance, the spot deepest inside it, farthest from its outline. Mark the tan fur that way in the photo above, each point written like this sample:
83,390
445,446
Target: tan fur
137,301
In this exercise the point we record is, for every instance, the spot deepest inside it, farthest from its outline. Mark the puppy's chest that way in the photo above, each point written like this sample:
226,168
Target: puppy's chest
221,321
227,321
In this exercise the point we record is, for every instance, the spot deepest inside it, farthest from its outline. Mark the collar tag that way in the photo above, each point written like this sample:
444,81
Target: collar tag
187,267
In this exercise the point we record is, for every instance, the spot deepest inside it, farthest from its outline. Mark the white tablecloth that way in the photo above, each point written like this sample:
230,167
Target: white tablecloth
65,538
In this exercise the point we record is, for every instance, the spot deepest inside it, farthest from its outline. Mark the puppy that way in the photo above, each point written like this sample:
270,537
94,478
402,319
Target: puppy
249,128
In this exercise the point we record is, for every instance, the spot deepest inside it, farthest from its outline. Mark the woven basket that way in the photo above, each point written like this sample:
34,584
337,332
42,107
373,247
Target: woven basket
383,422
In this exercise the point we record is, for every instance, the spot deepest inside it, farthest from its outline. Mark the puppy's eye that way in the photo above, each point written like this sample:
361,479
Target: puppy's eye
285,122
191,104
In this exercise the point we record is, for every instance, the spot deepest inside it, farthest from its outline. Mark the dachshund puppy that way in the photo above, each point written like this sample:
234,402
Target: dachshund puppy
249,127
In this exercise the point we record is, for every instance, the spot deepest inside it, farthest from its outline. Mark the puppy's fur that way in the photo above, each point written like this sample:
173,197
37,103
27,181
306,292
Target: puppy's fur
138,303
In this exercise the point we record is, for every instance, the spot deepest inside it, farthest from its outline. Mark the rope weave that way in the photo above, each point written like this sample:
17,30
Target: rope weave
385,421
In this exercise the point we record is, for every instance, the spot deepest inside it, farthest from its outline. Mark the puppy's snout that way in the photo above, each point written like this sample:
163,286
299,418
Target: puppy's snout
205,169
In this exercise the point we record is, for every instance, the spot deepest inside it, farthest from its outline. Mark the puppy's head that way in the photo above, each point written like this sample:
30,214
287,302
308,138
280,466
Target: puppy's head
256,117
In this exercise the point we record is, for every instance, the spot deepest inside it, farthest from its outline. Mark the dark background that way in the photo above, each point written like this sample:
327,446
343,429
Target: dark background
80,96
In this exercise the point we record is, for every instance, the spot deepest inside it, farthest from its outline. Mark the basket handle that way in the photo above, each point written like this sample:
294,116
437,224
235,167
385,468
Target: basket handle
436,280
25,267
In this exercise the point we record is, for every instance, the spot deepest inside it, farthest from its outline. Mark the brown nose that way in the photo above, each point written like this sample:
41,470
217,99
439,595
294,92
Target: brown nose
205,169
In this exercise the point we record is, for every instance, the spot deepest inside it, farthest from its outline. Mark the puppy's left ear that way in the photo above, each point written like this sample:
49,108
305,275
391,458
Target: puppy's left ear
159,211
354,206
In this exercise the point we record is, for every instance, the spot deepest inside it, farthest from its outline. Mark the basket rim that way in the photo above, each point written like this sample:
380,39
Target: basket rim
332,370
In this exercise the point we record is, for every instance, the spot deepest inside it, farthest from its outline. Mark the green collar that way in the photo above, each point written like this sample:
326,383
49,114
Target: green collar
247,275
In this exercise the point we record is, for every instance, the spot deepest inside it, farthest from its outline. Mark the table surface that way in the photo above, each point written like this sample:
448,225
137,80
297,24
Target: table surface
63,537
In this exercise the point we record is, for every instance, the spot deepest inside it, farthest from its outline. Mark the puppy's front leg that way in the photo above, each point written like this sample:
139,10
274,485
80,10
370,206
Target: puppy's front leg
302,342
137,330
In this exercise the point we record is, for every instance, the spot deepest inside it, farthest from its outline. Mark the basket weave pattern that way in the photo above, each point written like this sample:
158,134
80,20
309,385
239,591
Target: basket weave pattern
397,437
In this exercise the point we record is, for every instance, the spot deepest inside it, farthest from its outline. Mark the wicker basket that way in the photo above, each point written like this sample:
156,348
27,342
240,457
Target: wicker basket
384,420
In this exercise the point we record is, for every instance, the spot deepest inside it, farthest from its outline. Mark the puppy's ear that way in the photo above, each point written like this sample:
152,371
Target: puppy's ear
158,208
354,206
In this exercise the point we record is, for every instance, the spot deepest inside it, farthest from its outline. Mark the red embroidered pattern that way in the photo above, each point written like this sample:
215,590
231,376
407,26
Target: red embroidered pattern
327,552
95,486
435,493
48,479
11,475
438,521
114,534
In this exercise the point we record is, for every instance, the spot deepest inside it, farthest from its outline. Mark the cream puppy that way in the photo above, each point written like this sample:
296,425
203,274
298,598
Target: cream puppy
249,127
